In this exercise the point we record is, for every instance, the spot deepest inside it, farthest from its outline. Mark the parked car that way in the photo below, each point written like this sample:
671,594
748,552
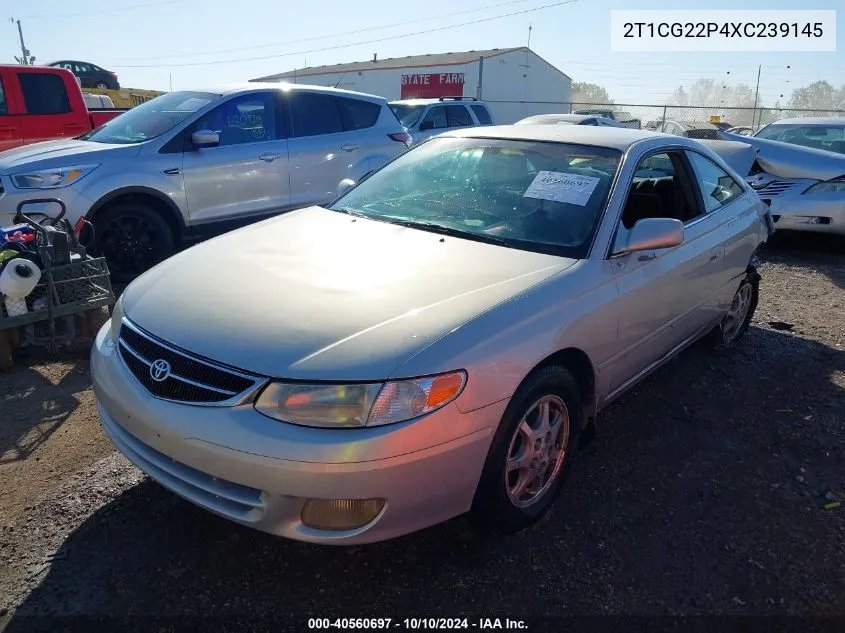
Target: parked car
742,130
624,118
190,164
690,129
424,118
568,119
827,133
421,348
91,75
804,186
38,103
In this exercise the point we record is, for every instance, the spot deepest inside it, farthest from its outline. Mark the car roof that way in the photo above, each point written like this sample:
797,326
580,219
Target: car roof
620,138
435,100
569,118
812,120
248,86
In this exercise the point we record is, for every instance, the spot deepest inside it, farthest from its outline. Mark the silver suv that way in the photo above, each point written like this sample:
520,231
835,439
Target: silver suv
191,164
424,118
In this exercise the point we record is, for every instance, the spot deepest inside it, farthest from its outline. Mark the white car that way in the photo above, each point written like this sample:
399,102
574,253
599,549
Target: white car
424,118
569,119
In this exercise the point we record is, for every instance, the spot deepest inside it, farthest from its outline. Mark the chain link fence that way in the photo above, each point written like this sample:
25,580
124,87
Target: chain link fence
682,120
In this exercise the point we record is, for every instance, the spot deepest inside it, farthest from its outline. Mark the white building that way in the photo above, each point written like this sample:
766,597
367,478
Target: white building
515,82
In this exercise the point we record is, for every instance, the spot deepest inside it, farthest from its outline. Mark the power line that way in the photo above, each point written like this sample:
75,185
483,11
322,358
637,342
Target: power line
332,35
99,11
339,46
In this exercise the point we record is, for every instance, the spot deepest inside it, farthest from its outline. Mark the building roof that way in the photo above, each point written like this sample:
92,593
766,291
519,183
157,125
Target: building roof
411,61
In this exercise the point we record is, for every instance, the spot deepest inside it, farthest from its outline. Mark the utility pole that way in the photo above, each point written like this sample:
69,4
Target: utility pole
24,58
756,94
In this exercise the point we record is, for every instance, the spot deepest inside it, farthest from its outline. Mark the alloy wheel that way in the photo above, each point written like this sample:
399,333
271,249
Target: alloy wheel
131,244
537,451
737,313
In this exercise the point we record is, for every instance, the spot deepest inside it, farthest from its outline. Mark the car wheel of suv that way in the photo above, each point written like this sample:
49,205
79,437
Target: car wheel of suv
133,238
102,85
531,452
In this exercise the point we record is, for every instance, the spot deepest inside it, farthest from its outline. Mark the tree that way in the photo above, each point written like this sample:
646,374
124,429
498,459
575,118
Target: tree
819,95
714,92
583,92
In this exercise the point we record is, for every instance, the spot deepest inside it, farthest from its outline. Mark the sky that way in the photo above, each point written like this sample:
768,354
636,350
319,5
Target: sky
149,43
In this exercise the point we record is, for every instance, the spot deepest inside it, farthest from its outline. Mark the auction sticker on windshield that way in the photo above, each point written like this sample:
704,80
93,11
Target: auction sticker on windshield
559,186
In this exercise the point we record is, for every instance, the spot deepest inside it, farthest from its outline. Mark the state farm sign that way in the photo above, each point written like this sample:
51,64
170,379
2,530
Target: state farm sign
432,85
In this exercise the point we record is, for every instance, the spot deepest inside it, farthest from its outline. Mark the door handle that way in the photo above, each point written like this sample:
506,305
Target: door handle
269,158
647,257
348,147
714,257
173,171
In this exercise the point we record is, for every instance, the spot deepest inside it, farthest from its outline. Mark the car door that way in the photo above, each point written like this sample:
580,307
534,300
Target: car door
434,122
48,113
10,124
246,175
666,296
733,212
322,150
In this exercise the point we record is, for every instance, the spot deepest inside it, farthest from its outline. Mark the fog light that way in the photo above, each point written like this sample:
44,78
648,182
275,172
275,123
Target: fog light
340,514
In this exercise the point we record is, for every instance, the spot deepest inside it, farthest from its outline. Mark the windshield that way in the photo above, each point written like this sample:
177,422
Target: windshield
151,119
538,196
827,137
408,115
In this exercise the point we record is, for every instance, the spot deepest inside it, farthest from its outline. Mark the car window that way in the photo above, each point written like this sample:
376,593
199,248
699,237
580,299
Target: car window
717,187
246,119
358,114
4,109
407,115
96,69
44,93
151,118
437,117
818,136
545,197
458,116
314,114
482,114
82,68
660,189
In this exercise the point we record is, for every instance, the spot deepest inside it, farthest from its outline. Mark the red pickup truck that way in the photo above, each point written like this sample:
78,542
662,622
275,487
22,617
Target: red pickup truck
39,103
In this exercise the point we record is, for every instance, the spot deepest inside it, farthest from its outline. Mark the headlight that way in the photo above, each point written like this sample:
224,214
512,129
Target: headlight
116,318
358,405
827,186
52,178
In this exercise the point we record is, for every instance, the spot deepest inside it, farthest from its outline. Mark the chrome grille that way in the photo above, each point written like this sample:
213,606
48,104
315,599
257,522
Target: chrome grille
775,188
190,378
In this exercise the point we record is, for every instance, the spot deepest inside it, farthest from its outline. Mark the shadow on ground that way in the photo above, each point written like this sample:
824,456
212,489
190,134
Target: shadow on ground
703,493
32,407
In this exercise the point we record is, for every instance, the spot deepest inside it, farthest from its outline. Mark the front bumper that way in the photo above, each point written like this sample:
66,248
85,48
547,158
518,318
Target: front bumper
250,469
10,197
803,213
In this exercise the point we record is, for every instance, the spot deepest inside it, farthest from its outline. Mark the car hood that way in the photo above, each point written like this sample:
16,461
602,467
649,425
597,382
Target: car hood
792,161
320,295
56,154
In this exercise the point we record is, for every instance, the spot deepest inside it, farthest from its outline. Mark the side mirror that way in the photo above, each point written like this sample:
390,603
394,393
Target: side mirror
651,234
426,125
205,138
345,185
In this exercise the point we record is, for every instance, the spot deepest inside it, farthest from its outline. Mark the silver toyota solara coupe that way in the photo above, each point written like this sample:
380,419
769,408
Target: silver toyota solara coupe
433,342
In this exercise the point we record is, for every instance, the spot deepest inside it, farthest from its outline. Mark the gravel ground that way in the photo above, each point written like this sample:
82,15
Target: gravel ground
705,492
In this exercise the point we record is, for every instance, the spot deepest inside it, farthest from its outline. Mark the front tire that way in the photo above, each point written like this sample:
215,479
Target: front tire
531,452
102,85
133,238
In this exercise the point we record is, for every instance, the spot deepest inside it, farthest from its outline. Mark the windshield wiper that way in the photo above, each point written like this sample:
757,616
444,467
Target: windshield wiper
348,211
448,230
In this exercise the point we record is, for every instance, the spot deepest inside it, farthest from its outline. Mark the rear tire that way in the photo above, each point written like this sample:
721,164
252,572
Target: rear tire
736,322
133,238
101,85
529,460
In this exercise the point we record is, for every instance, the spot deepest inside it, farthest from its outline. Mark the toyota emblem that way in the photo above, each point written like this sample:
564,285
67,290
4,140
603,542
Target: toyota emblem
160,370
